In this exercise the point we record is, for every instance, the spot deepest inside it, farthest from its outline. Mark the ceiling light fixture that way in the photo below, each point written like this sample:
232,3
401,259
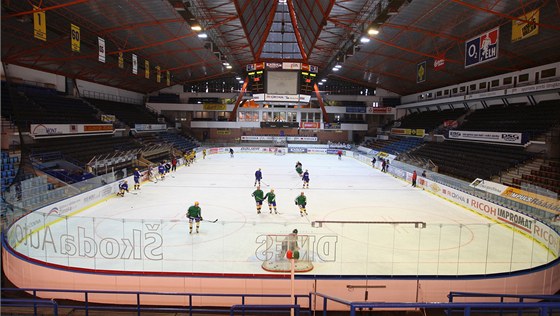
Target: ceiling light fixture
372,31
335,69
196,28
324,80
229,66
202,35
364,39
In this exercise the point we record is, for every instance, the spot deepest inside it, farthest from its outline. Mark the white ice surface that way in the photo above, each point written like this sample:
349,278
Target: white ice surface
148,231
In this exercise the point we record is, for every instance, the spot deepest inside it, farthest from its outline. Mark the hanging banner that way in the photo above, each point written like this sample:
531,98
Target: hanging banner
101,43
421,72
522,30
75,37
121,60
134,64
146,69
439,64
168,78
482,48
39,25
158,74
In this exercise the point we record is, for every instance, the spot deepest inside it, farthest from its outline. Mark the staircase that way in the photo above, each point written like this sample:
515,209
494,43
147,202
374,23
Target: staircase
507,177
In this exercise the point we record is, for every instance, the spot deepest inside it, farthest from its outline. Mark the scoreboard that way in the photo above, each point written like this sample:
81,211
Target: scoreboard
282,79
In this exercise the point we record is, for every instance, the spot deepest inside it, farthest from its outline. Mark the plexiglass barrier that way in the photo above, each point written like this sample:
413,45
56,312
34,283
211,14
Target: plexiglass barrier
391,249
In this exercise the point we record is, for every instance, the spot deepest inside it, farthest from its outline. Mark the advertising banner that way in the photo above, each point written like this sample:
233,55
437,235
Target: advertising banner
439,64
301,139
310,125
45,130
332,126
526,26
421,72
150,127
496,137
108,118
482,48
298,150
273,65
223,131
291,66
489,186
377,110
279,124
214,107
532,199
355,109
408,132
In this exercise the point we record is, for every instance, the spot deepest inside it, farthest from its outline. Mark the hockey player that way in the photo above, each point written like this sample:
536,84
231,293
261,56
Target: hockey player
305,179
299,170
414,177
123,186
289,243
167,166
373,160
258,177
161,171
301,201
271,201
204,154
231,152
339,153
258,194
137,176
174,164
194,214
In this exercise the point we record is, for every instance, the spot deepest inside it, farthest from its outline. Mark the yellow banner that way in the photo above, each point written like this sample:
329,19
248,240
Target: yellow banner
121,60
213,107
147,69
168,78
75,37
407,131
39,25
532,199
158,74
522,30
223,131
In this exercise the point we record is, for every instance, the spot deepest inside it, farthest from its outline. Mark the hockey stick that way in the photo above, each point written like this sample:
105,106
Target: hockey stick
265,183
209,221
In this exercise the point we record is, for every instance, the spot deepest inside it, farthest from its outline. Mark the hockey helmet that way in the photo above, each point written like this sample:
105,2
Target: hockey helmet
295,231
196,203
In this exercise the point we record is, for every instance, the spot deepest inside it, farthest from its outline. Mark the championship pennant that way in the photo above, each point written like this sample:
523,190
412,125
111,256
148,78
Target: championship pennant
75,37
101,43
168,78
134,64
146,69
121,60
39,24
421,72
158,74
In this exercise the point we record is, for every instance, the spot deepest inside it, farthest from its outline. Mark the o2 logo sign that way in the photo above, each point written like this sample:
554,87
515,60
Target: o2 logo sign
482,48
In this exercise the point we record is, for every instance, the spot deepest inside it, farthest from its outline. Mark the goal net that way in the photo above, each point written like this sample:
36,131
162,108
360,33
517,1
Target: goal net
277,247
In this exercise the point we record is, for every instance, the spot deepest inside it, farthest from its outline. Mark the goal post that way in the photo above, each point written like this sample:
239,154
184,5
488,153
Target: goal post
277,248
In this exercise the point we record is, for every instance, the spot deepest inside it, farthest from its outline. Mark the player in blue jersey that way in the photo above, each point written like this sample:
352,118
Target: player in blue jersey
137,176
123,186
161,171
258,177
305,179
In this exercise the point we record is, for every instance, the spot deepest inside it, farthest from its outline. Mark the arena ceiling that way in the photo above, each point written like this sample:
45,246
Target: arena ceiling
240,32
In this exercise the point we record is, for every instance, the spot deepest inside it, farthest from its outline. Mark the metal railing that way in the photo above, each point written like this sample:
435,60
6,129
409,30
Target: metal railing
138,306
499,308
35,303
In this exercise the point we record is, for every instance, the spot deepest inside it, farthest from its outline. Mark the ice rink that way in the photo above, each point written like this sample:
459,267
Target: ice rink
148,231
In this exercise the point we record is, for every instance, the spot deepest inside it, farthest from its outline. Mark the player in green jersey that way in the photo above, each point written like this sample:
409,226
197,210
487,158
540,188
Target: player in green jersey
301,201
258,194
194,214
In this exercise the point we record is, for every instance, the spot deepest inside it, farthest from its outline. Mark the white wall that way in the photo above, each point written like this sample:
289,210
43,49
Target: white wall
99,88
28,74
